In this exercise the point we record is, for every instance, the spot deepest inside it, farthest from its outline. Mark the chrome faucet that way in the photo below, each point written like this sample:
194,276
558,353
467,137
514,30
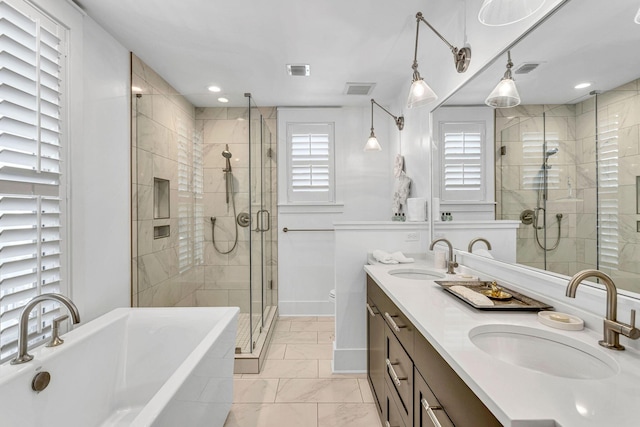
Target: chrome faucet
612,328
23,326
478,239
451,264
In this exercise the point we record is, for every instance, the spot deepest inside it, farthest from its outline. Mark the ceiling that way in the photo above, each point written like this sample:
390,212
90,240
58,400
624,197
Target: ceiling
244,46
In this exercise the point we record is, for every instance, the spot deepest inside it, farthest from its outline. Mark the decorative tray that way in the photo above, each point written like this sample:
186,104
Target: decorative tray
516,302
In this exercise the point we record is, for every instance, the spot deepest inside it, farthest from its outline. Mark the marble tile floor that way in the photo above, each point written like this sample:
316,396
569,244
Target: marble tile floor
296,386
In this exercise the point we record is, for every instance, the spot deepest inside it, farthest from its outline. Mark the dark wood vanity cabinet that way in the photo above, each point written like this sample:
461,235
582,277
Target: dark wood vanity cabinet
412,384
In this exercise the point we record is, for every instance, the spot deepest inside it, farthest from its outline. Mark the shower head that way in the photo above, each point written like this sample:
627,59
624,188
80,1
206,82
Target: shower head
551,152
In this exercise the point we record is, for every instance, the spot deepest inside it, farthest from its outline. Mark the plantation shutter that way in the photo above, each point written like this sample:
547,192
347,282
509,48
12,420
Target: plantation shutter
608,193
462,161
310,162
30,169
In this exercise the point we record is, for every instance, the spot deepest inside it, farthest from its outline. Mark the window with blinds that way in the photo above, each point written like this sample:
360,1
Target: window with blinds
462,161
31,203
310,149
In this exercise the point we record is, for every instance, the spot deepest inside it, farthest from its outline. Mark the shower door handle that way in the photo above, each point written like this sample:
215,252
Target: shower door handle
260,220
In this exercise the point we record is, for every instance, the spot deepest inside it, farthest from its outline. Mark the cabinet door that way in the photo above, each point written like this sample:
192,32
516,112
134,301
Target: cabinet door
393,410
376,364
427,409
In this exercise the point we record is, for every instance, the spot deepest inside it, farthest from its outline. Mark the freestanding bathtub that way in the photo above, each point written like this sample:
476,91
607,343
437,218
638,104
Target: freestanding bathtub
129,367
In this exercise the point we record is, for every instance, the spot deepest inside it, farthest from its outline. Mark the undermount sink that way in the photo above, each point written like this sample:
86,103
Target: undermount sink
416,274
543,351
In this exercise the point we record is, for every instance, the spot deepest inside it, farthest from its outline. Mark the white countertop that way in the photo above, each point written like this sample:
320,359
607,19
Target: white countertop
517,396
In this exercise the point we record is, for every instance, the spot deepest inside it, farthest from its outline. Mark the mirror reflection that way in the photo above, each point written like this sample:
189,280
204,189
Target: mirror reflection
567,158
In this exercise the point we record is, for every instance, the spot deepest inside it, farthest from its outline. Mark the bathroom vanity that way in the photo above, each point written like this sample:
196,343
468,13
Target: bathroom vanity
411,382
429,364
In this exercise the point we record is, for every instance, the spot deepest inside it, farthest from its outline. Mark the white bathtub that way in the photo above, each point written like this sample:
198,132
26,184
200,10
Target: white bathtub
130,367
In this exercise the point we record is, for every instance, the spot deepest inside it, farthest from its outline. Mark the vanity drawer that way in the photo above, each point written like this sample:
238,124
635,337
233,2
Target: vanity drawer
427,409
399,375
397,321
393,412
460,403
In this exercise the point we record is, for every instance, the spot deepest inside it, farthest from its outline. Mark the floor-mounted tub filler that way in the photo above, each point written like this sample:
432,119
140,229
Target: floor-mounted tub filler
129,367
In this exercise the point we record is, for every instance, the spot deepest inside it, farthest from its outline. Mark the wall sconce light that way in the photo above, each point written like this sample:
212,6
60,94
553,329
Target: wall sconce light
495,13
372,143
505,94
420,92
637,18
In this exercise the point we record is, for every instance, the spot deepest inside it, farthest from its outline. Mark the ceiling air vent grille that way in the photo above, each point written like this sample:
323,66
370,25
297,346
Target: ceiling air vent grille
301,70
526,68
359,88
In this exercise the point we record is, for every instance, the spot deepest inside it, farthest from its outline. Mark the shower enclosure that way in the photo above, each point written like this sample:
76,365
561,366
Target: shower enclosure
570,174
203,193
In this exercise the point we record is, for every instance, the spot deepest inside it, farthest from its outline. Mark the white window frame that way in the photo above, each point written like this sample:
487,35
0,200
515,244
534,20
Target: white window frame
326,194
53,214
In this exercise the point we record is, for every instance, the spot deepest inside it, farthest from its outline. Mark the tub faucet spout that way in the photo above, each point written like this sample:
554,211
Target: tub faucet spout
612,328
451,264
23,326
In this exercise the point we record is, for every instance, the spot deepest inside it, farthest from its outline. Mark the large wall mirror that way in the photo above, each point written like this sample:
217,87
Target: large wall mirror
567,159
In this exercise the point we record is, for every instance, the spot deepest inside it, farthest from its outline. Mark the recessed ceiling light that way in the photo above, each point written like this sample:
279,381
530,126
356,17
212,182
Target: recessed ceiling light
214,89
582,85
223,100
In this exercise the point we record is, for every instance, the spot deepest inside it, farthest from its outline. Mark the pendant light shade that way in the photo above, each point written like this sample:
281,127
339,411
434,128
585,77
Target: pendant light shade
504,12
505,94
372,143
420,93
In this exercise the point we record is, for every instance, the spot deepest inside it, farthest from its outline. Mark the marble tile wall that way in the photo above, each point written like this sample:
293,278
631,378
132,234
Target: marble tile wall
572,181
168,270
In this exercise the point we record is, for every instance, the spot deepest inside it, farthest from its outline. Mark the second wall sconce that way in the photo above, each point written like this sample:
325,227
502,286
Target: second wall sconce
420,92
372,143
505,94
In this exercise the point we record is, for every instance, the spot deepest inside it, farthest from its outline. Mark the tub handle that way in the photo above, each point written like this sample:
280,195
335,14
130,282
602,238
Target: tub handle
55,331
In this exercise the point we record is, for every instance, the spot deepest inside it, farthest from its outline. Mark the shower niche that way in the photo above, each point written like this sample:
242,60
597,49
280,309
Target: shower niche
161,208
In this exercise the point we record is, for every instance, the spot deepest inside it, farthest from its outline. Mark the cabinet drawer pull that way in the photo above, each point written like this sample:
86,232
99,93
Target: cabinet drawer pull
370,310
394,376
430,412
394,325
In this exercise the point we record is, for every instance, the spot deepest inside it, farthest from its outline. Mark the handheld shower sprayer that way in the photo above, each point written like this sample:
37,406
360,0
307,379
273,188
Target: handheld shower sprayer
227,155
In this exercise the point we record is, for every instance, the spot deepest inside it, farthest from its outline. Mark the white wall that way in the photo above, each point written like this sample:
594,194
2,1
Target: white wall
363,192
98,166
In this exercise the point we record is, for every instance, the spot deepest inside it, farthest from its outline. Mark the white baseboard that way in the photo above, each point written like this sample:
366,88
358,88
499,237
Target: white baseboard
306,308
349,360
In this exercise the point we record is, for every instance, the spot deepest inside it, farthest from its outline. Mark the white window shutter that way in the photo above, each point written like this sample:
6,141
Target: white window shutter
310,155
30,169
463,146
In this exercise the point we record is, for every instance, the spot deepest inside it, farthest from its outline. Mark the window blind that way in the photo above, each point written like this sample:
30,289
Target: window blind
462,161
30,170
310,162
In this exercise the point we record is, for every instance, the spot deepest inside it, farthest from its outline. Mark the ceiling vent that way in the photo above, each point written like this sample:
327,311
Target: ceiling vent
300,70
359,88
526,68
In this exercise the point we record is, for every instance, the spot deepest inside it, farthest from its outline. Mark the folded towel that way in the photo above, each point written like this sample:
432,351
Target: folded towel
483,252
384,257
471,295
399,256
